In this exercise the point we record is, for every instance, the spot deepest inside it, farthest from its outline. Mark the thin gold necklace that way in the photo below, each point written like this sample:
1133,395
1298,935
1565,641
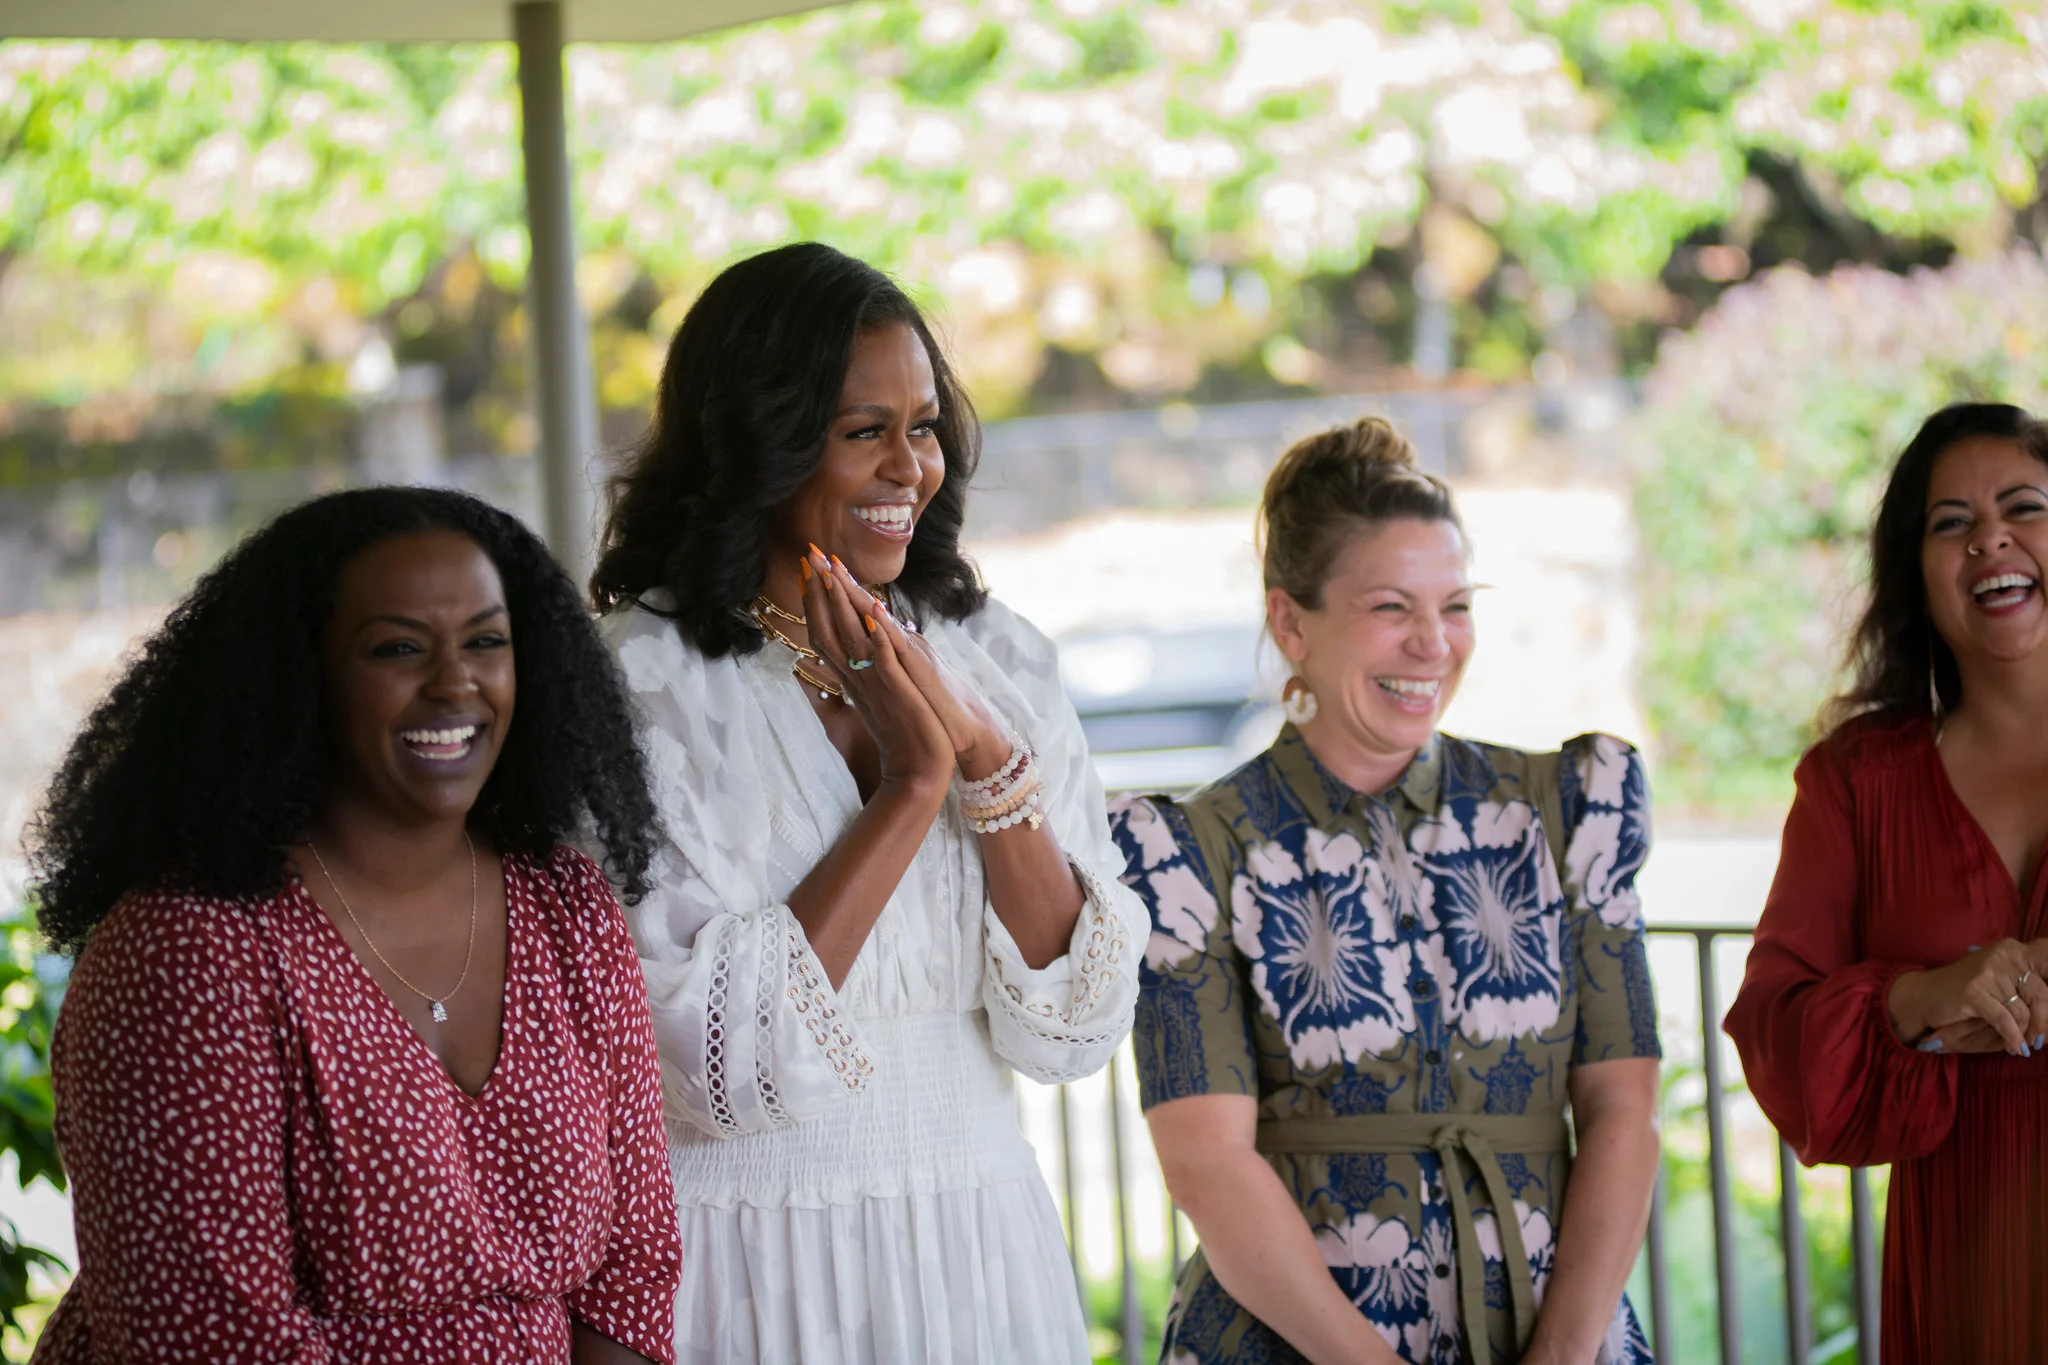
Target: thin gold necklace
440,1006
764,612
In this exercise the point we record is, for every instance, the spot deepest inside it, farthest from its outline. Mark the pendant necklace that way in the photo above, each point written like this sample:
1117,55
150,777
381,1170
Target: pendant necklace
440,1005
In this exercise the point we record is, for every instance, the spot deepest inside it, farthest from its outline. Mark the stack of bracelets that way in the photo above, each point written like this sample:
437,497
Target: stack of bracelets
1005,797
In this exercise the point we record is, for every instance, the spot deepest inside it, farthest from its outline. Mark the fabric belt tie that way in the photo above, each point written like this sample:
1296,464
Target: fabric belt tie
1456,1139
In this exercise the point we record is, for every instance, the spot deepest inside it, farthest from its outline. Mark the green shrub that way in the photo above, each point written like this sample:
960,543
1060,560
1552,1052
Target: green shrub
31,986
1771,429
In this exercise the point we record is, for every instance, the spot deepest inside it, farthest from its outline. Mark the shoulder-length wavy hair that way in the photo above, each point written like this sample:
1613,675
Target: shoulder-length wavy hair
209,758
748,392
1900,666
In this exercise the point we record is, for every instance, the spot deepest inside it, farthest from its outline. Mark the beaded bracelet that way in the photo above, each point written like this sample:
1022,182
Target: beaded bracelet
1006,797
1001,801
1028,810
982,792
1026,785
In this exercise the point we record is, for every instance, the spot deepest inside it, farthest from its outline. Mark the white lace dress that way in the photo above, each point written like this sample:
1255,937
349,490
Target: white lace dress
851,1182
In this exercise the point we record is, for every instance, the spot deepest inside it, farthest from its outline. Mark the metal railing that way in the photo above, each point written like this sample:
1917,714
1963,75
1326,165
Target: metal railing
1125,1138
1791,1221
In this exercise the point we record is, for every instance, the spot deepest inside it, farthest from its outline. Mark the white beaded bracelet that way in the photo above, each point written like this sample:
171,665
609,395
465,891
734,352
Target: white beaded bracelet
1027,812
1013,799
982,793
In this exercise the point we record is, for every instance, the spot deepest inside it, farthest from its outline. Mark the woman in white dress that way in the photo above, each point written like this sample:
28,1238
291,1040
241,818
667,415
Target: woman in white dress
888,879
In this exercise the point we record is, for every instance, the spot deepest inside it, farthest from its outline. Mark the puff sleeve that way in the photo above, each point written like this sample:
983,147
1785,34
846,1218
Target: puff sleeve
1811,1021
1605,800
1193,1030
751,1034
1065,1020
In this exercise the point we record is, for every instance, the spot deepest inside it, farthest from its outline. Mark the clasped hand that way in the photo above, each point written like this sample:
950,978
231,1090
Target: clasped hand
926,719
1988,1000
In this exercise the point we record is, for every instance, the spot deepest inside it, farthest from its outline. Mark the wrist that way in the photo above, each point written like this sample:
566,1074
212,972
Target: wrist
1555,1347
982,759
919,791
1541,1352
1905,1006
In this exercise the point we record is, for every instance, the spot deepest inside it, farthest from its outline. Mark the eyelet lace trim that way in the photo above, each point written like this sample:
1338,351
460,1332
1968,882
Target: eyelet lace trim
828,1028
764,1021
1101,951
716,1090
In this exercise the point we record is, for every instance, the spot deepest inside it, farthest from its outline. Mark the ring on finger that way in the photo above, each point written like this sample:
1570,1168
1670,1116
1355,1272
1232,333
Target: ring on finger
858,664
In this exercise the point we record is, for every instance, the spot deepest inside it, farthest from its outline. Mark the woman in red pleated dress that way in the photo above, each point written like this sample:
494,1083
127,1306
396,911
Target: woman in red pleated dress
1894,1009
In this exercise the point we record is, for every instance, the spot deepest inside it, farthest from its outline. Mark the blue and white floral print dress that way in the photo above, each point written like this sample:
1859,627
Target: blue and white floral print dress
1420,952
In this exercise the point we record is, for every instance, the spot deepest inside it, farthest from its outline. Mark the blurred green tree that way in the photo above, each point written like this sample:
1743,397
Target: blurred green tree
1773,428
1167,191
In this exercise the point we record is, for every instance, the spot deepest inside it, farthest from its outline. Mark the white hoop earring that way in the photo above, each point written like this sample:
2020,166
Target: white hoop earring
1297,703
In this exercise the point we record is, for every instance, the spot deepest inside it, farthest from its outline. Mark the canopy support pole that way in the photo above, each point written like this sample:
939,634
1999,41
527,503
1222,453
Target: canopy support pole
563,388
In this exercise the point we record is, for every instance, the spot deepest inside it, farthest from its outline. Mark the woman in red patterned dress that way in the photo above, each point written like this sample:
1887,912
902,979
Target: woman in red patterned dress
355,1062
1894,1008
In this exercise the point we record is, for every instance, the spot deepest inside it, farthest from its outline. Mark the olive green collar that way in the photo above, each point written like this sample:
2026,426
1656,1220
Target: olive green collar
1323,795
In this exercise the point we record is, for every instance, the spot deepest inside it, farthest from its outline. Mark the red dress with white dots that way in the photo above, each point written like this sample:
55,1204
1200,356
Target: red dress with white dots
268,1164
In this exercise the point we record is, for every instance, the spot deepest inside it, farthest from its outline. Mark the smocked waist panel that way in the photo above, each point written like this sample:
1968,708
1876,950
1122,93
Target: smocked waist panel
936,1115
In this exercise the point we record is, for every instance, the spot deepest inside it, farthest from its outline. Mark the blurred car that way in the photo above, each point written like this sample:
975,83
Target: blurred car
1169,709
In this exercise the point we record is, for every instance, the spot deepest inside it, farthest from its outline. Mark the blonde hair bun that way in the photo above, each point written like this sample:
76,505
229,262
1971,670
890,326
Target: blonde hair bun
1332,484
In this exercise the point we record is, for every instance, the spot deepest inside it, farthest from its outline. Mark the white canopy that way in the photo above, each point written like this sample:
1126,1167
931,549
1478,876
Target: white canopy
378,21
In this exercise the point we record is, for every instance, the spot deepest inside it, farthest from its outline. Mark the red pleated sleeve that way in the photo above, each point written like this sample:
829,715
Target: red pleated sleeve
1811,1021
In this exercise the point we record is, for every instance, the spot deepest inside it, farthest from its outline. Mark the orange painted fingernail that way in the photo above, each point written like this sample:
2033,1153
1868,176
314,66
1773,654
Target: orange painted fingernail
837,565
803,566
871,624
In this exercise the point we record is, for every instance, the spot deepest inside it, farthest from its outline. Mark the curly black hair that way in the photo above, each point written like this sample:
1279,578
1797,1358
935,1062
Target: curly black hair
209,757
1899,663
750,386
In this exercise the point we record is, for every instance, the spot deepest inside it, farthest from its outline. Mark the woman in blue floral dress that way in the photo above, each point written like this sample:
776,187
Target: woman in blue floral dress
1384,962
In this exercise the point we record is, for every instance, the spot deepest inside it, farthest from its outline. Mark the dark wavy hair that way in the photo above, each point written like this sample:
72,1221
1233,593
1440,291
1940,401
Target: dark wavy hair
748,392
209,757
1897,659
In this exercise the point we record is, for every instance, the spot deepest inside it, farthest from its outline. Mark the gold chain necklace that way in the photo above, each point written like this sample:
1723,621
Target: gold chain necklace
440,1007
764,612
768,604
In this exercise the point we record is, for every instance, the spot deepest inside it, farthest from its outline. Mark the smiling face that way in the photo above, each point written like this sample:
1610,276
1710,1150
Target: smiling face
1386,649
1985,547
417,665
881,464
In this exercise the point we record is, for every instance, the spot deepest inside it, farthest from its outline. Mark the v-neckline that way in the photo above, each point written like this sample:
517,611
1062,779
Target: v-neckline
367,983
2027,900
839,783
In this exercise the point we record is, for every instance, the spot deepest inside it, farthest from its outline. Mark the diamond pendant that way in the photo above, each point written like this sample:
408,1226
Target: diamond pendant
440,1013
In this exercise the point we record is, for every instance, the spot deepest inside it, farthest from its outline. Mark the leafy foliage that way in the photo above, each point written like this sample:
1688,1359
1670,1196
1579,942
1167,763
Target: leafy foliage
1144,183
31,986
1773,428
